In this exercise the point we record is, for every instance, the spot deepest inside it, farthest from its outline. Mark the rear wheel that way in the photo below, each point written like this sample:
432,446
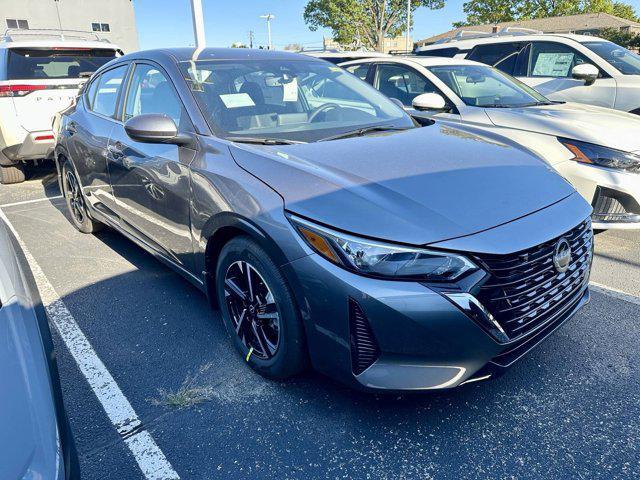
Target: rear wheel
258,310
12,174
76,204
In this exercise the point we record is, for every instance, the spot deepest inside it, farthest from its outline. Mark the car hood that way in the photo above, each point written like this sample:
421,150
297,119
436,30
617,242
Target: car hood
418,186
602,126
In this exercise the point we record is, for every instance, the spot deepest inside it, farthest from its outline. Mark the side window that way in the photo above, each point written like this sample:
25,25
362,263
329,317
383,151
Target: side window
107,89
500,55
402,83
151,92
361,70
90,93
556,60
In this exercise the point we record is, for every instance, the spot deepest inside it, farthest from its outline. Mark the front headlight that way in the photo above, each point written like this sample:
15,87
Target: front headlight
380,259
602,156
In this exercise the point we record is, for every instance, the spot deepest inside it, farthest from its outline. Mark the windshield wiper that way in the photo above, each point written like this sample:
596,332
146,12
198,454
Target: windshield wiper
263,140
363,131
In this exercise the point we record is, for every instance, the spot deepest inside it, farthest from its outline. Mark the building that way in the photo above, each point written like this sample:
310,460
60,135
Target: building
113,20
395,44
585,24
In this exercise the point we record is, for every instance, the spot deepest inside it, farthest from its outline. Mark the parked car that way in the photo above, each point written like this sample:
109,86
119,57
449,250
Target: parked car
340,56
567,67
323,221
35,439
40,72
597,149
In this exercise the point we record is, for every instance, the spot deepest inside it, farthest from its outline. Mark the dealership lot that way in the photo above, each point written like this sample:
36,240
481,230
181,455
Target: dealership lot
571,409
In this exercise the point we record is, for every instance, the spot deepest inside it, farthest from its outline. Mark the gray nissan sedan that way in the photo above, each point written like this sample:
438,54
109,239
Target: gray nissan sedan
328,226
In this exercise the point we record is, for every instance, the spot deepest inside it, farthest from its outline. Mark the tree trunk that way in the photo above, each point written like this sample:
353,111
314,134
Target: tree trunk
381,31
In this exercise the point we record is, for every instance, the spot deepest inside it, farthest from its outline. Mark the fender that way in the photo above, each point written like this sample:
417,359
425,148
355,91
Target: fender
218,230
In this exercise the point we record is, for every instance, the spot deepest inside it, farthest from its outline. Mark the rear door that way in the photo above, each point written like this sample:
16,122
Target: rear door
87,131
151,181
44,81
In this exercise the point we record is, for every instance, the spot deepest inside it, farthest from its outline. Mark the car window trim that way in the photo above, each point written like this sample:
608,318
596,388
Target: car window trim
163,71
124,79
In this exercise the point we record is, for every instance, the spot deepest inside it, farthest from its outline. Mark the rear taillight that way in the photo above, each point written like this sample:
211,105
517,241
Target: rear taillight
19,90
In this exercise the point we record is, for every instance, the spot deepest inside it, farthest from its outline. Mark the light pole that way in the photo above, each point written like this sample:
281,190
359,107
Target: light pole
268,17
198,23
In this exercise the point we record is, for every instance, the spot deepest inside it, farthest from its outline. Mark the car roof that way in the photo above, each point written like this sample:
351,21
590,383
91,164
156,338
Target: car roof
183,54
471,42
58,44
339,54
422,61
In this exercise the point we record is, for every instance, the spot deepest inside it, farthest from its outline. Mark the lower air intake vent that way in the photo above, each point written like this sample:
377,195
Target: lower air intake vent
364,348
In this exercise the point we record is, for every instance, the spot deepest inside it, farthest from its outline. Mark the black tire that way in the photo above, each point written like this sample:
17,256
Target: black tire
12,174
290,356
76,203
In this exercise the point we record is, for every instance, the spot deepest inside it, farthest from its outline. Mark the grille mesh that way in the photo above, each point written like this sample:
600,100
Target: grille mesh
364,348
525,291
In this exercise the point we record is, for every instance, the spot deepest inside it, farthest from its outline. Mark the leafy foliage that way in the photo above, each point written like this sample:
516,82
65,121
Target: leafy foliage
363,22
495,11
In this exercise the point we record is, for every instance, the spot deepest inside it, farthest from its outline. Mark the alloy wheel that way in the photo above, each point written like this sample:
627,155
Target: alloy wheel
253,310
74,197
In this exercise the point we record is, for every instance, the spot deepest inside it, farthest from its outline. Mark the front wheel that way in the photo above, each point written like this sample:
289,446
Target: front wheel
259,311
75,201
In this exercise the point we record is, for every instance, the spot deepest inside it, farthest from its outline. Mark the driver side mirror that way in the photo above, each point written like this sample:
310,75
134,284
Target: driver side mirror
155,128
430,101
586,72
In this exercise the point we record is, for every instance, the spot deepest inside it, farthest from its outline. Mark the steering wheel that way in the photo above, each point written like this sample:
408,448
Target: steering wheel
322,108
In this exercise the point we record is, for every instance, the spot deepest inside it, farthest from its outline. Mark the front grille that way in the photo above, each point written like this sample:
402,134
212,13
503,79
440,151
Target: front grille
525,291
364,348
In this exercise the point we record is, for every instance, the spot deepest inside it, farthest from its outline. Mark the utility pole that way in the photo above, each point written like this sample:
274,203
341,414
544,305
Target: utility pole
406,44
268,17
250,38
198,23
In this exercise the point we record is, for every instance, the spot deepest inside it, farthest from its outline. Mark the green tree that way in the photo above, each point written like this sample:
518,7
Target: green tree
495,11
363,22
624,39
624,10
488,11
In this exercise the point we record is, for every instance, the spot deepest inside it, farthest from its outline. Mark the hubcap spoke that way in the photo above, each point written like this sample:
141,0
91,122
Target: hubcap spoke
253,310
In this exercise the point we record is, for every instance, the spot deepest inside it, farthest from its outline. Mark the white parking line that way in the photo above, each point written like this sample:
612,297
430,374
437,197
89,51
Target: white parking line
25,202
151,460
614,293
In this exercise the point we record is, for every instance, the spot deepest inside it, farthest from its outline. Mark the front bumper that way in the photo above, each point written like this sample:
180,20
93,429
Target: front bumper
614,194
35,146
422,340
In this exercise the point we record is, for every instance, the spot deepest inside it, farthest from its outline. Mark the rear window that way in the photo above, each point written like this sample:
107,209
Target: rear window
440,52
33,64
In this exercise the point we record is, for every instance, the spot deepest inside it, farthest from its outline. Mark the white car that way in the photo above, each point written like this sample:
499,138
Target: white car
566,67
596,149
341,56
40,74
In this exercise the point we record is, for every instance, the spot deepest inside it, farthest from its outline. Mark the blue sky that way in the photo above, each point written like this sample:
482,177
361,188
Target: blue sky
167,23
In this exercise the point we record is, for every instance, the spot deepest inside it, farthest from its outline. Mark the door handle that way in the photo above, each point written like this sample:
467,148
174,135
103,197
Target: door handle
71,128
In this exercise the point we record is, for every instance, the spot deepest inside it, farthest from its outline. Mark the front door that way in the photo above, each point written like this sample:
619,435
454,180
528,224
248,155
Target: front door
151,181
549,72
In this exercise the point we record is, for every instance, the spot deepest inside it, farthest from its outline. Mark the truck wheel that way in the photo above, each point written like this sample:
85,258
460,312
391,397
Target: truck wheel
12,174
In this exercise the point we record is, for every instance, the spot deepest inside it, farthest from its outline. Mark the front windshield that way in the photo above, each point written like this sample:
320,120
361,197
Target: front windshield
627,62
483,86
299,100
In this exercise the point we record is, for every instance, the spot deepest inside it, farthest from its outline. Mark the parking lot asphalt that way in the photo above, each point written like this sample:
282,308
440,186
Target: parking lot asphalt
571,409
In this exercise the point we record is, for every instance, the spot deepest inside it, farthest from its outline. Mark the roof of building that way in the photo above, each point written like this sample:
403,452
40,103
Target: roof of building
565,24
